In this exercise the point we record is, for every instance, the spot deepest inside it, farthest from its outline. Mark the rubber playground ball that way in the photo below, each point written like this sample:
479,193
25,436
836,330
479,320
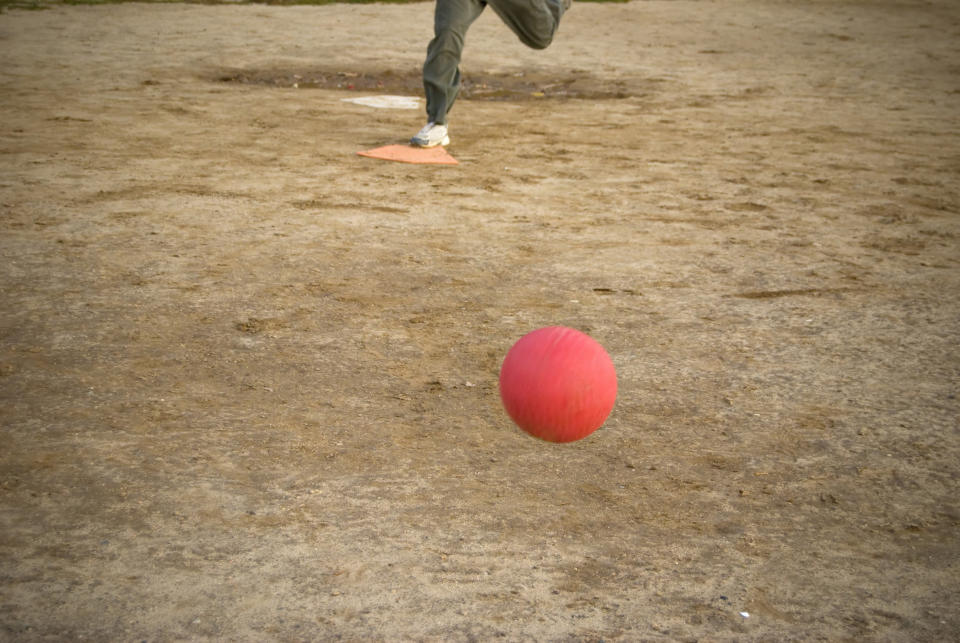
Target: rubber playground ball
558,384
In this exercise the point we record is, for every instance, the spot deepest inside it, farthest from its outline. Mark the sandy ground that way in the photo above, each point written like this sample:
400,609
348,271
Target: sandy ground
249,378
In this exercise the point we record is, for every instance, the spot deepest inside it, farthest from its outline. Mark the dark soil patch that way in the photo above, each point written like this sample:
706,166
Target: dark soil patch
522,85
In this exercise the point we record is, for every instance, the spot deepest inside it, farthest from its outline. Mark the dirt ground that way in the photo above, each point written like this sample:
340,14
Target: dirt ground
249,378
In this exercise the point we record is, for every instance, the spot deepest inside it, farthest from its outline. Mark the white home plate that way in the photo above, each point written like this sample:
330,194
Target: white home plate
388,102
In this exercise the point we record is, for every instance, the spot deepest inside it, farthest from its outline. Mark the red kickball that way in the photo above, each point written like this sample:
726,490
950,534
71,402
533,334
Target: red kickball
558,384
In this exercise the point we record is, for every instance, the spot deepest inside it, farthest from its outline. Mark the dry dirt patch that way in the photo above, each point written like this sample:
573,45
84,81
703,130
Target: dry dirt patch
248,379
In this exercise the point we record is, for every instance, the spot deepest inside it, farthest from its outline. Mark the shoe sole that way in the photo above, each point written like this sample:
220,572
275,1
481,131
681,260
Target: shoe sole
445,141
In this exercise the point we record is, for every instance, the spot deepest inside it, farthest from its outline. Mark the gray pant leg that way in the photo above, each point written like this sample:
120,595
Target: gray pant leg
441,70
534,21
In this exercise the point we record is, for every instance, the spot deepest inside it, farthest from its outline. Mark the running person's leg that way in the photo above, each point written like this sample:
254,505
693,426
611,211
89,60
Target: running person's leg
441,71
534,21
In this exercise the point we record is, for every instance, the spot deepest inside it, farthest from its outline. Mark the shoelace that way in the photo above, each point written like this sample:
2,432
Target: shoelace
432,128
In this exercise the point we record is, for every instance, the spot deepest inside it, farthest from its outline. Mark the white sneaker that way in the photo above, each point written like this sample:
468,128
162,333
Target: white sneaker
431,135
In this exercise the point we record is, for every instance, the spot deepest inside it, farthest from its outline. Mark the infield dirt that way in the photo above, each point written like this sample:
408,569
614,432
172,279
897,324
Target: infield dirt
249,378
